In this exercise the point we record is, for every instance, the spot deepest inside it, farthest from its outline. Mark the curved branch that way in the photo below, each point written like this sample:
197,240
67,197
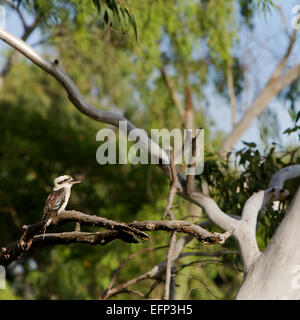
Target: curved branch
125,232
173,95
17,249
275,192
76,97
92,238
157,271
214,213
278,179
14,251
28,30
246,230
124,262
93,220
182,227
276,83
112,118
230,88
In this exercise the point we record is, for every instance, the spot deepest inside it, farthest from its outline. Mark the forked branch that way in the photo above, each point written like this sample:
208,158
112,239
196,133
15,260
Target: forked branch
32,236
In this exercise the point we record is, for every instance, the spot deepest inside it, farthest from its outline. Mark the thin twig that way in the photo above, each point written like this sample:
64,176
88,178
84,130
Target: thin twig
190,178
153,287
169,265
124,262
173,188
230,87
200,262
173,95
113,291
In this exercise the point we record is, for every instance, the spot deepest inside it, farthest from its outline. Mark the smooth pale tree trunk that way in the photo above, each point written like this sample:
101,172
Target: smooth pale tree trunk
276,272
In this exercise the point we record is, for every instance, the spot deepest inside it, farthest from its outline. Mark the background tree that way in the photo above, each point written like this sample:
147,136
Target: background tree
156,81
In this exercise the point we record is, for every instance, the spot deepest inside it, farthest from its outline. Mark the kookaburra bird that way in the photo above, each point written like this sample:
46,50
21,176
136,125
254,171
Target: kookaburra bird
58,198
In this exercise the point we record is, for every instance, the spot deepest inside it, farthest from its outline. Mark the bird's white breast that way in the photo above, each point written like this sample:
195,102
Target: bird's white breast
68,193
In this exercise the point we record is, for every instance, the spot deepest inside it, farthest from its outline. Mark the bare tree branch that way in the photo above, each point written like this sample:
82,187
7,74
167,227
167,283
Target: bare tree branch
28,30
173,188
230,87
182,227
276,83
109,117
207,254
170,278
17,10
214,213
126,232
281,65
157,271
92,238
245,232
278,179
190,179
222,220
283,18
189,122
269,276
120,288
77,99
17,249
173,95
200,262
123,263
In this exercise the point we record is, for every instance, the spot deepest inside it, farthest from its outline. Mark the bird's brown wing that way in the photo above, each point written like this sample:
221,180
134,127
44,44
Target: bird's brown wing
54,201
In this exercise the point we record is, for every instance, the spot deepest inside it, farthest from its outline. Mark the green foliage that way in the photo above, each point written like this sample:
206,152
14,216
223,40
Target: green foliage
291,95
118,10
251,173
296,127
8,293
107,13
248,8
43,136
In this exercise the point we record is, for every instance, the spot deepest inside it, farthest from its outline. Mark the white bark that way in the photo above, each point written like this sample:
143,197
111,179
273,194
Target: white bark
214,213
245,230
275,273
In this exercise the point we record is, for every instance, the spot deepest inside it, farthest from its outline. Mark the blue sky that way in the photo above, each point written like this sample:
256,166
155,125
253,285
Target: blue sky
262,50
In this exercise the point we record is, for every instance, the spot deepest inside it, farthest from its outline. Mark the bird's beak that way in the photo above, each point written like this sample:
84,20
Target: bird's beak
75,181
